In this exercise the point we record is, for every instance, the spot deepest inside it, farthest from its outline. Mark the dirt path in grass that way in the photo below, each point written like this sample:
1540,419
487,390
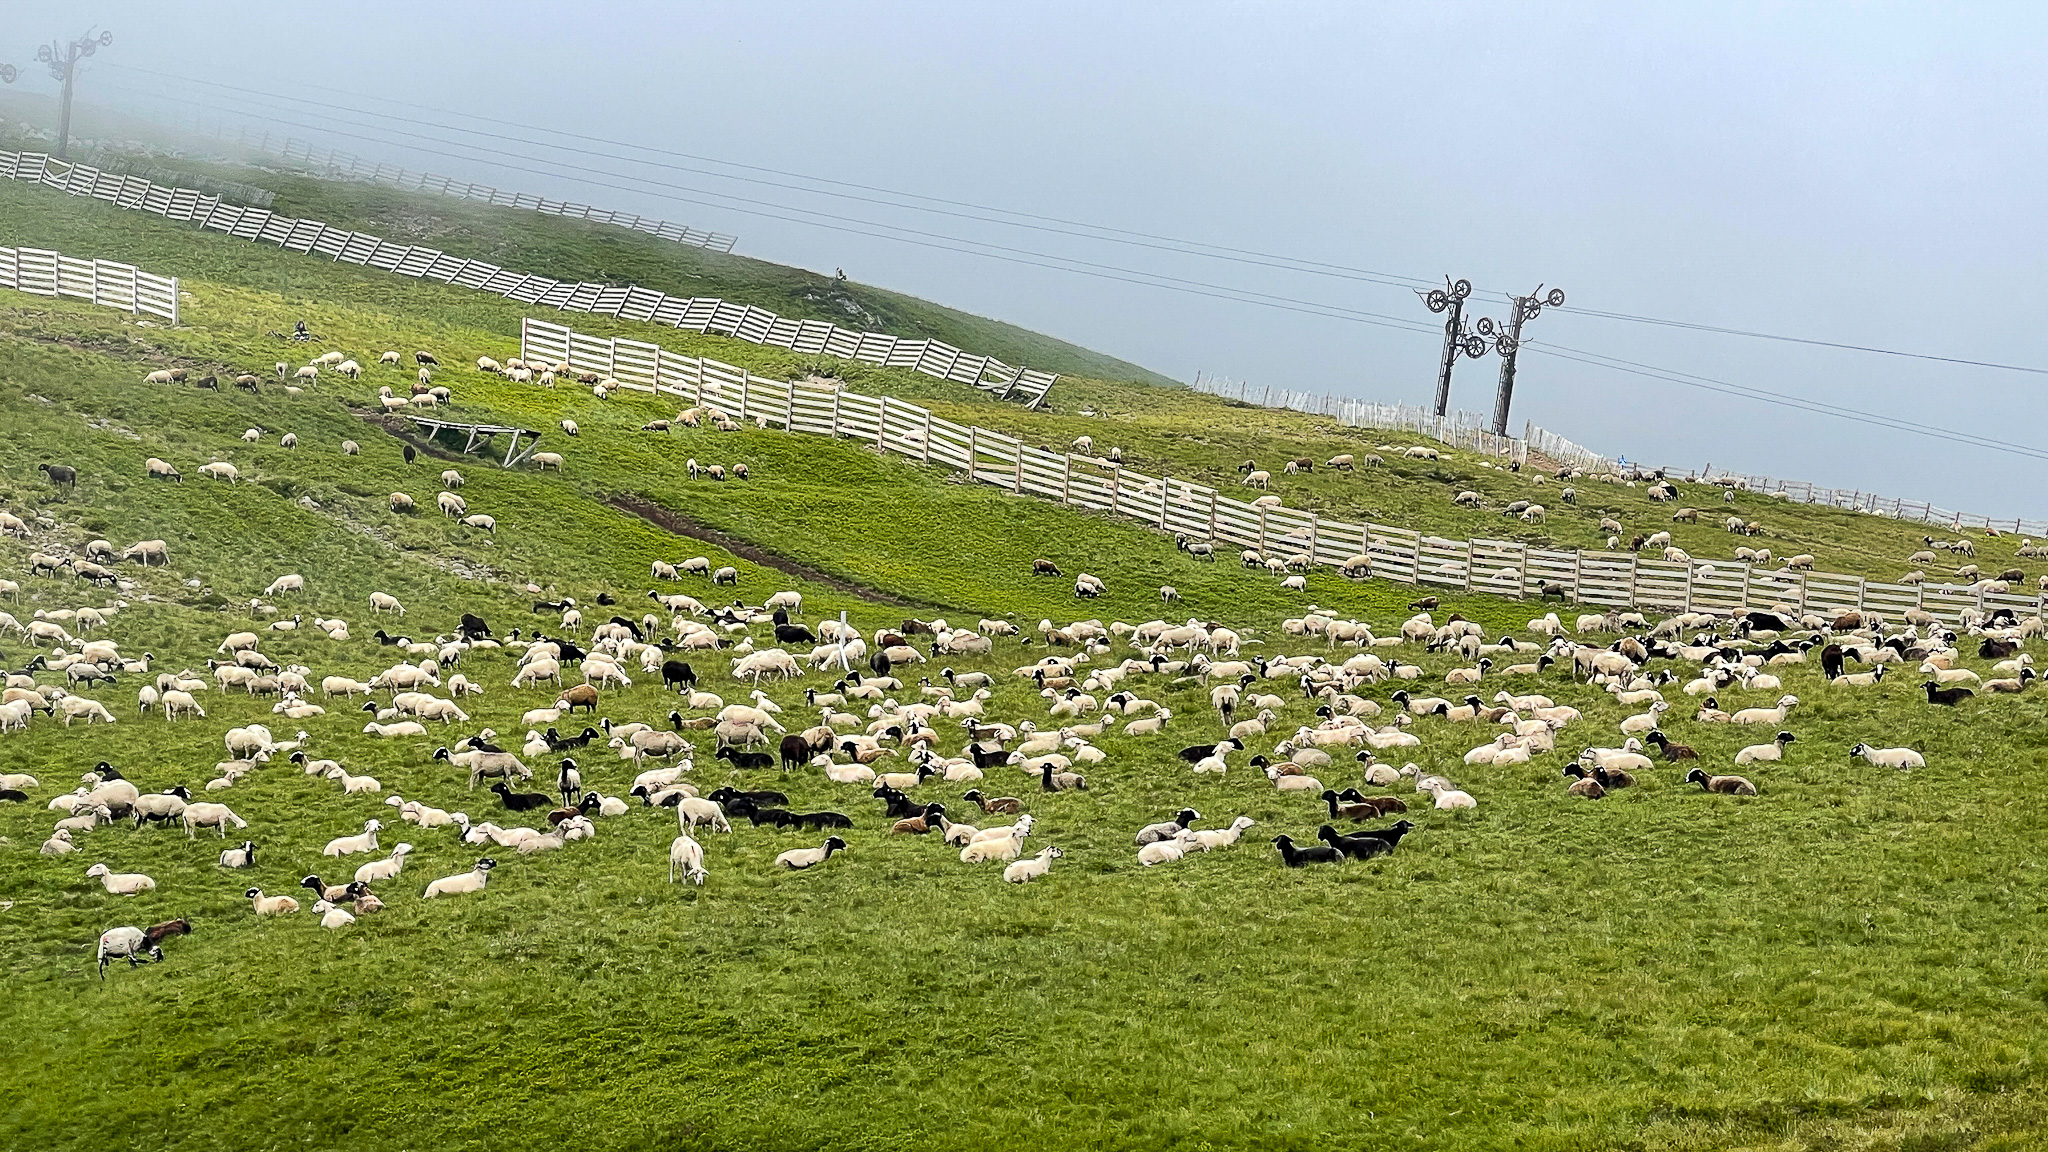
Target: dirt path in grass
670,520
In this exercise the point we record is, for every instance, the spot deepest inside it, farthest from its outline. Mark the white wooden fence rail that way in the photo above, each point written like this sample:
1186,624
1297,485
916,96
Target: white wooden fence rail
1503,567
102,282
627,302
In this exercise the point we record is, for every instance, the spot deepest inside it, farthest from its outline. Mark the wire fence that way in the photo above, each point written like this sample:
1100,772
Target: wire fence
329,163
1465,430
706,314
103,282
1205,516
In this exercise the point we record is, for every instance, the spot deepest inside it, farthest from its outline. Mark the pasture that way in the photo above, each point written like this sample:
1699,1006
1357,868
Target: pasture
1849,959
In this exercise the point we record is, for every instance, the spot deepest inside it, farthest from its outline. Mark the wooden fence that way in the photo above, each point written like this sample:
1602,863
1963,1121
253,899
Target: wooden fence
103,282
1503,567
627,302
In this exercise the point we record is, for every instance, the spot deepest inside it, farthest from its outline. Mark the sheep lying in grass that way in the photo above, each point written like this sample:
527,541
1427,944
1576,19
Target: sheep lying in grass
1025,871
461,883
798,859
271,905
364,841
1902,759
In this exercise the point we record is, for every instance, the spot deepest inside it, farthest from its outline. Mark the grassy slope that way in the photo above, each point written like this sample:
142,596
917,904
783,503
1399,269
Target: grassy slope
1842,962
1169,431
575,250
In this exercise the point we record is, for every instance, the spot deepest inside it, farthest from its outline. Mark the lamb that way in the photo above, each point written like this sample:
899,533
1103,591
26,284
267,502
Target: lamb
1902,759
798,859
365,841
1025,871
461,883
59,843
1727,785
242,857
120,883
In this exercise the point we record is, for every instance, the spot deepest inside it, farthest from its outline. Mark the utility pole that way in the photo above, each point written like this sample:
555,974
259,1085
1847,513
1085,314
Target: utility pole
63,61
1451,298
1521,309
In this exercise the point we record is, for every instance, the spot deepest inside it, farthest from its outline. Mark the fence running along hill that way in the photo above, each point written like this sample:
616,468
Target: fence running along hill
1461,429
348,166
103,282
1503,567
1466,430
627,302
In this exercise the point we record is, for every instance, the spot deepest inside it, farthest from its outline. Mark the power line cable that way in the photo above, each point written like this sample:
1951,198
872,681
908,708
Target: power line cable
1173,245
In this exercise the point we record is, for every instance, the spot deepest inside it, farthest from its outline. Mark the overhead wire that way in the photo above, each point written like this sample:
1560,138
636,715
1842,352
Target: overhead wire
1141,277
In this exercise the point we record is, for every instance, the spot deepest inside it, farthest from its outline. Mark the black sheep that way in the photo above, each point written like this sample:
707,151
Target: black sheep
632,626
795,751
896,804
1951,697
522,801
1392,835
552,605
1296,857
742,759
17,796
1831,658
780,817
793,634
1356,847
729,795
60,473
1995,649
1200,752
473,627
556,741
821,820
678,675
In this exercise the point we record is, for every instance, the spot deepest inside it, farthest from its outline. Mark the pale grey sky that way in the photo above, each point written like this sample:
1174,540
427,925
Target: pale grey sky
1865,173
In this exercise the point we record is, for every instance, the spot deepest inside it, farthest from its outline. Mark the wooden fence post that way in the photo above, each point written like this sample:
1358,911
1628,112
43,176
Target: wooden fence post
524,322
611,356
744,377
1262,524
882,427
1017,484
835,412
1212,514
1312,523
1116,484
1067,481
973,448
927,435
1165,493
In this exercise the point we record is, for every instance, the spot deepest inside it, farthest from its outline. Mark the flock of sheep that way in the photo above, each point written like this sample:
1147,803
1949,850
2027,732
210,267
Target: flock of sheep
890,728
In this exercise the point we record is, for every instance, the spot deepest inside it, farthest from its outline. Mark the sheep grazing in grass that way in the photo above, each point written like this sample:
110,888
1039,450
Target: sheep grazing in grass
686,856
461,883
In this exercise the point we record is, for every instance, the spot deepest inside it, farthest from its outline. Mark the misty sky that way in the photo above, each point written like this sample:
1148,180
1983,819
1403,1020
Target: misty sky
1867,174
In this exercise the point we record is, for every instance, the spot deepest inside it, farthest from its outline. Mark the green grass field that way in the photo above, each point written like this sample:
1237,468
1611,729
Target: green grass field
1848,960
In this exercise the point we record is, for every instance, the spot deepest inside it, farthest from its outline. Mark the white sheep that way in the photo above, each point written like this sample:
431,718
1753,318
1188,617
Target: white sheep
365,841
271,905
1900,758
215,816
462,883
687,856
798,859
59,843
332,917
1025,871
354,785
1166,851
120,883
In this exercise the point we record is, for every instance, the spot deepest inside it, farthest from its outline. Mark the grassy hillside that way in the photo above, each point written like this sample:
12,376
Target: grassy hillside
1843,961
577,250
